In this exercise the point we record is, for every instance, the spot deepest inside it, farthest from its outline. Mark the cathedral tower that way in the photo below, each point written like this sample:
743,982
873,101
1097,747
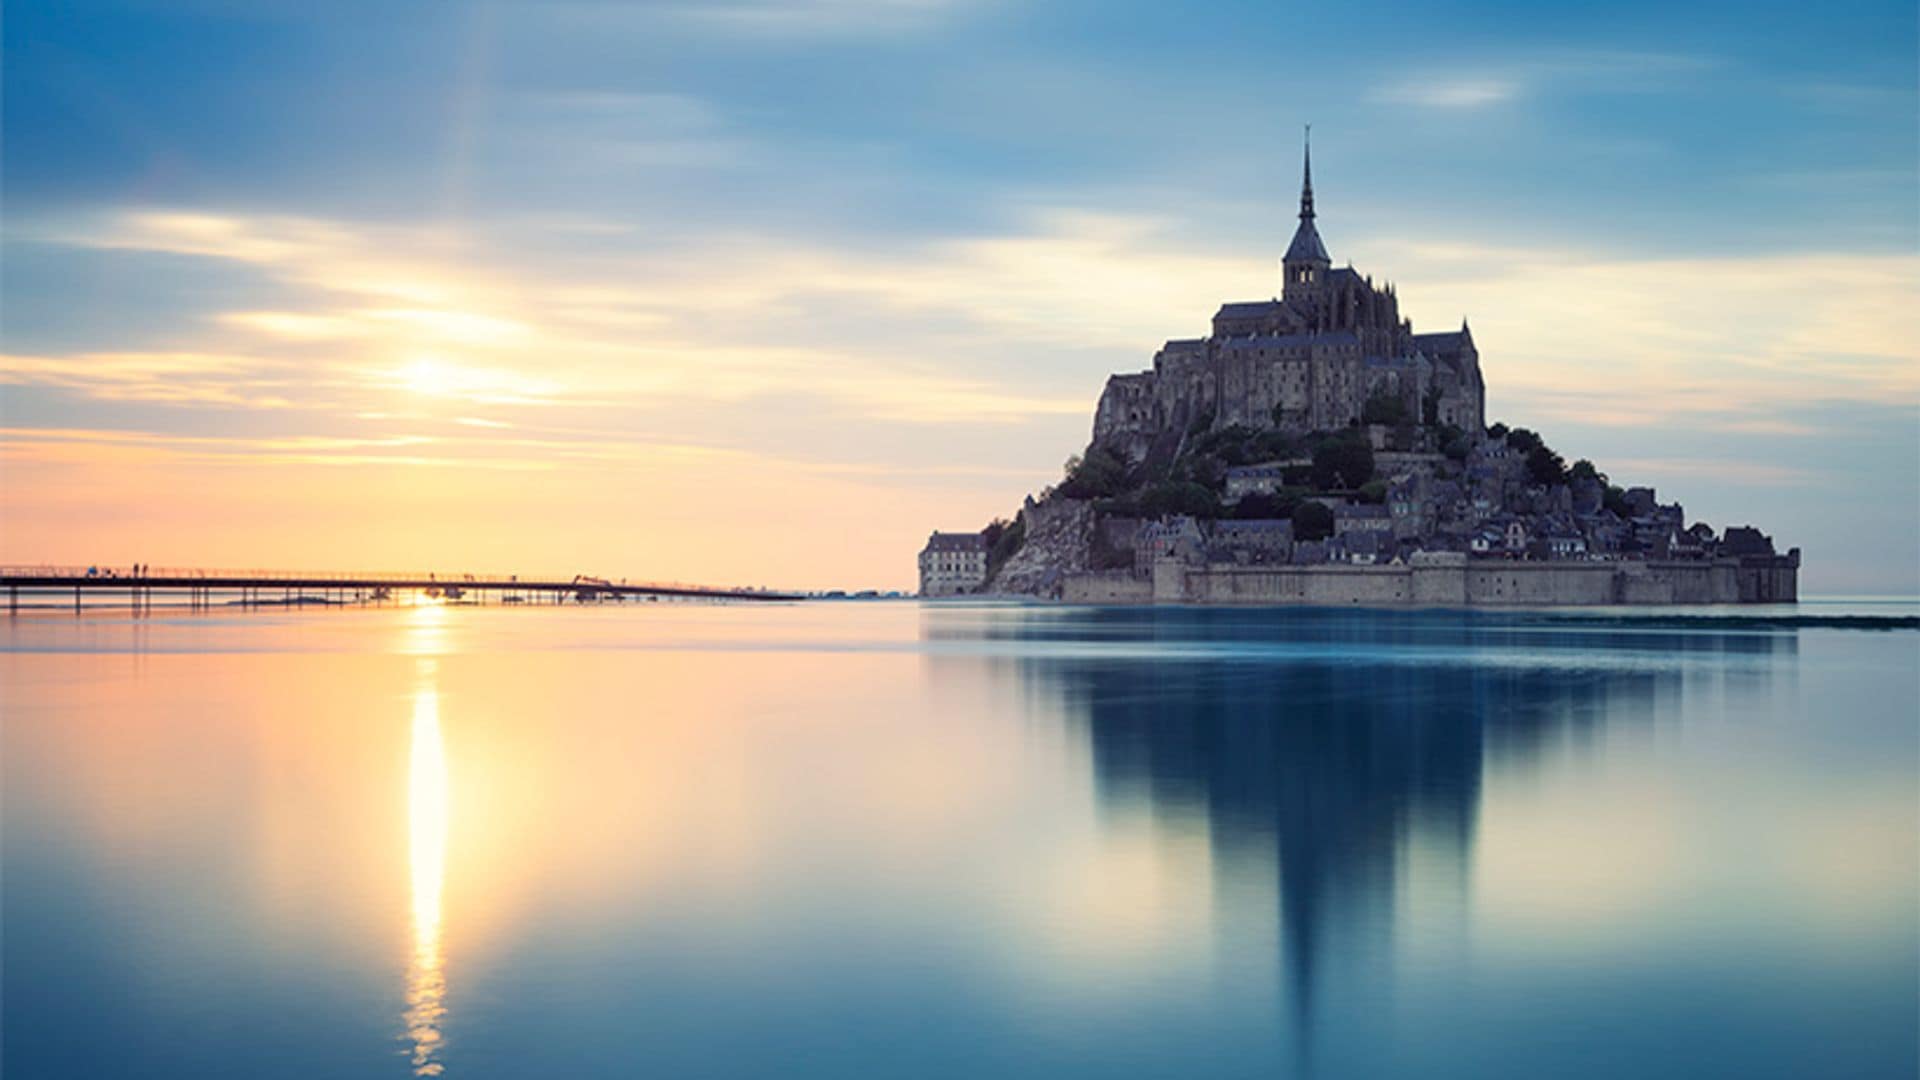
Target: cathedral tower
1304,269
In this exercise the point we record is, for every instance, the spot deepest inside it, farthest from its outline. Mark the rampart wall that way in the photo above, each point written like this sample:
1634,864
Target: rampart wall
1455,582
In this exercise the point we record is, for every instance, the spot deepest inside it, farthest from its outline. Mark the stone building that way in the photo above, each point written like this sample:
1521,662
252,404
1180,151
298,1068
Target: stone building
1306,360
1265,478
1251,543
952,564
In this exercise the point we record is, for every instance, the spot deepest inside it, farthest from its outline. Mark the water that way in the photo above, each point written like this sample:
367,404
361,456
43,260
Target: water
953,841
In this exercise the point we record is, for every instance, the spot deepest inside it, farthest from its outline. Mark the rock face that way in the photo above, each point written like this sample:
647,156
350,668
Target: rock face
1059,536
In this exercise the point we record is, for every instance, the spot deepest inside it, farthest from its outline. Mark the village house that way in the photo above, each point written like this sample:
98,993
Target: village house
1177,537
1265,478
1251,543
952,564
1361,517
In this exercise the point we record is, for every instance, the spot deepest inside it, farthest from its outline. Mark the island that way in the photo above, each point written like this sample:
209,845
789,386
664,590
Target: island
1314,449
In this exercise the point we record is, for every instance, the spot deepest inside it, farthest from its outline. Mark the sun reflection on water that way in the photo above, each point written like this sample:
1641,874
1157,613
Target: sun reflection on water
427,819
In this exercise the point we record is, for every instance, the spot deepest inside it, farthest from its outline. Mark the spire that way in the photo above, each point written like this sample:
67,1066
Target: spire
1306,178
1306,246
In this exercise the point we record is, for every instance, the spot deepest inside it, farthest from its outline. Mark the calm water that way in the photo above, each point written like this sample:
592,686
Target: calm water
895,840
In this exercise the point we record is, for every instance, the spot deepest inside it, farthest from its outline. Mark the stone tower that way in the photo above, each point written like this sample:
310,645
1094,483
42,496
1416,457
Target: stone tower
1304,269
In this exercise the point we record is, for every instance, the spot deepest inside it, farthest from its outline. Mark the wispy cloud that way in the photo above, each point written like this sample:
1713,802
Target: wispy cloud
451,319
1451,92
431,314
807,17
1716,470
1726,342
1502,80
170,377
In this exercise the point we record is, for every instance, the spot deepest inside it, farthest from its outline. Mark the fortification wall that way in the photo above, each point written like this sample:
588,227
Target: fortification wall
1113,587
1501,582
1458,582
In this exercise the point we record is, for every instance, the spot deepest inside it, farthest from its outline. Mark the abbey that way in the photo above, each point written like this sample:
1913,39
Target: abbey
1307,360
1313,449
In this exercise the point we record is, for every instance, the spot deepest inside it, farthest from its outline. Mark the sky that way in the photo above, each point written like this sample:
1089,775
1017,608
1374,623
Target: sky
763,291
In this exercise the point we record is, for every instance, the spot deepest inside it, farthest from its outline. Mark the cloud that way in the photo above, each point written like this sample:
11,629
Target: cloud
173,377
946,332
1717,470
1730,341
1451,93
431,313
791,18
1507,79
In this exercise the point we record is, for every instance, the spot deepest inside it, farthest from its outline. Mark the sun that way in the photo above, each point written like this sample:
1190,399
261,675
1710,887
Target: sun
430,375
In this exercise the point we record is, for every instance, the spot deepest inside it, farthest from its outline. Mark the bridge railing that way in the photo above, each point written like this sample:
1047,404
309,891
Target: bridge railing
348,579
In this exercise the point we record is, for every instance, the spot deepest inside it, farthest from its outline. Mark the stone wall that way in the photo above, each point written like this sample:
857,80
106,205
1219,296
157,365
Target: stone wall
1459,582
1110,587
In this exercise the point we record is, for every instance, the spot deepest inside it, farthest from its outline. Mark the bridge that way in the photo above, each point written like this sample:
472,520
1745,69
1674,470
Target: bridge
203,588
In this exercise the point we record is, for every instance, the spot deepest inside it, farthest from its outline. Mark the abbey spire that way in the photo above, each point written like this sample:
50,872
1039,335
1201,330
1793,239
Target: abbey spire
1306,262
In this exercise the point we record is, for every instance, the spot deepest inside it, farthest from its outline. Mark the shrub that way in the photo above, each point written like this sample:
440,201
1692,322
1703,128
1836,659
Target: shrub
1263,507
1274,443
1179,497
1312,521
1098,475
1616,500
1343,462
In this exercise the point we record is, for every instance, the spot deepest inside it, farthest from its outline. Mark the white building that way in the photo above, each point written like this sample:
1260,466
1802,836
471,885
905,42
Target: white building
953,563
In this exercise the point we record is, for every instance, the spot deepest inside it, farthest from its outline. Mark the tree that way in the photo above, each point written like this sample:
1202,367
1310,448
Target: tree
1583,470
1546,468
1373,491
1616,500
1097,475
1179,497
1496,431
1312,521
1343,462
1274,443
1261,506
1204,469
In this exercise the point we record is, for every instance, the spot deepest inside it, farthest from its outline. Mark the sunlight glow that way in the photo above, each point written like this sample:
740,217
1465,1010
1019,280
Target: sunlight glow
431,376
427,819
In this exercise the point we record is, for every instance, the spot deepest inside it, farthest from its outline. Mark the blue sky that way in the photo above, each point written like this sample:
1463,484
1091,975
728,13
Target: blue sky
864,264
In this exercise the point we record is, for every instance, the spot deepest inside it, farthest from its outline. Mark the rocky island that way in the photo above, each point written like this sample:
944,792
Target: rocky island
1314,449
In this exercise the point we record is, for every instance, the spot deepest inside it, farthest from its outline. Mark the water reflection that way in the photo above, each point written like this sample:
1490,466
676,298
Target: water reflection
425,1016
1329,753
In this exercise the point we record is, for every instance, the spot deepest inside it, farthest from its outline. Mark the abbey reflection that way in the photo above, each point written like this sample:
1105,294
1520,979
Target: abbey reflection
1321,741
